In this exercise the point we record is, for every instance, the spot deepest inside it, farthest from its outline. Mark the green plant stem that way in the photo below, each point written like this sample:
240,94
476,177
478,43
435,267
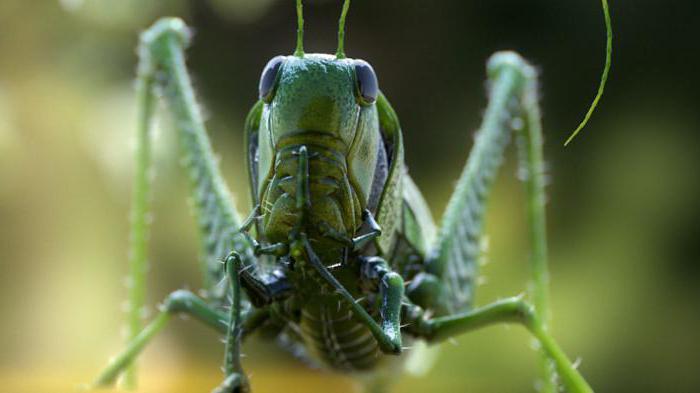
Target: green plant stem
604,75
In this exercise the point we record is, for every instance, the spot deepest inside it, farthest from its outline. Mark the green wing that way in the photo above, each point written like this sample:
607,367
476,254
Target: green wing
252,125
407,226
253,151
390,207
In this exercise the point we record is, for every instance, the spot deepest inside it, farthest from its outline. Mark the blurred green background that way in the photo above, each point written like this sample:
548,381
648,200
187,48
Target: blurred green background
623,202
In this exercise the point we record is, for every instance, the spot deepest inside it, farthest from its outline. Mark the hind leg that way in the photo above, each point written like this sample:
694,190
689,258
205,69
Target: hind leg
448,283
511,310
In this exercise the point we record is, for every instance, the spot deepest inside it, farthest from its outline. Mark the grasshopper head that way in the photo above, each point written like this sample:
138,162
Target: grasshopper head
318,93
326,104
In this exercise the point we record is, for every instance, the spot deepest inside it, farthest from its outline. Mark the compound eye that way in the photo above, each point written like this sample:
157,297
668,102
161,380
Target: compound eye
268,79
367,85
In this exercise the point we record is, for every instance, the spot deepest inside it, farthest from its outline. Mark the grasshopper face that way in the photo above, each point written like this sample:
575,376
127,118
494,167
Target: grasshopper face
326,104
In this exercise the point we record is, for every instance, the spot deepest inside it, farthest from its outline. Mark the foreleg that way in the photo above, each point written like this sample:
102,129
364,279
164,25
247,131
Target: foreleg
387,334
376,272
235,380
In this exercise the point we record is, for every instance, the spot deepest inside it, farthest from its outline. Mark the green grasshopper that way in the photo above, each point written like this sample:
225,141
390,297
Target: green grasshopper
339,258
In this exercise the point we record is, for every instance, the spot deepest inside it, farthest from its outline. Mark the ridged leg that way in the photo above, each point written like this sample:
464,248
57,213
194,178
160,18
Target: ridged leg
451,269
162,70
512,310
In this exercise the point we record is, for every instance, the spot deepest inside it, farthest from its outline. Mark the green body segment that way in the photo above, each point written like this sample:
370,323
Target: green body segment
331,334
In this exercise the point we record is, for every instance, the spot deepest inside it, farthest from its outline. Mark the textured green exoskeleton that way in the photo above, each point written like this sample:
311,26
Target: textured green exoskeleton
339,258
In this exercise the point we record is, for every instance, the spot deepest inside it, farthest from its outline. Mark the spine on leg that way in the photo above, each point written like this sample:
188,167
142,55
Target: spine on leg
162,53
455,256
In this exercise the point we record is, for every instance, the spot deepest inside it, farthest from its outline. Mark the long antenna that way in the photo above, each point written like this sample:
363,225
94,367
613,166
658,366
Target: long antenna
604,76
299,51
340,53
